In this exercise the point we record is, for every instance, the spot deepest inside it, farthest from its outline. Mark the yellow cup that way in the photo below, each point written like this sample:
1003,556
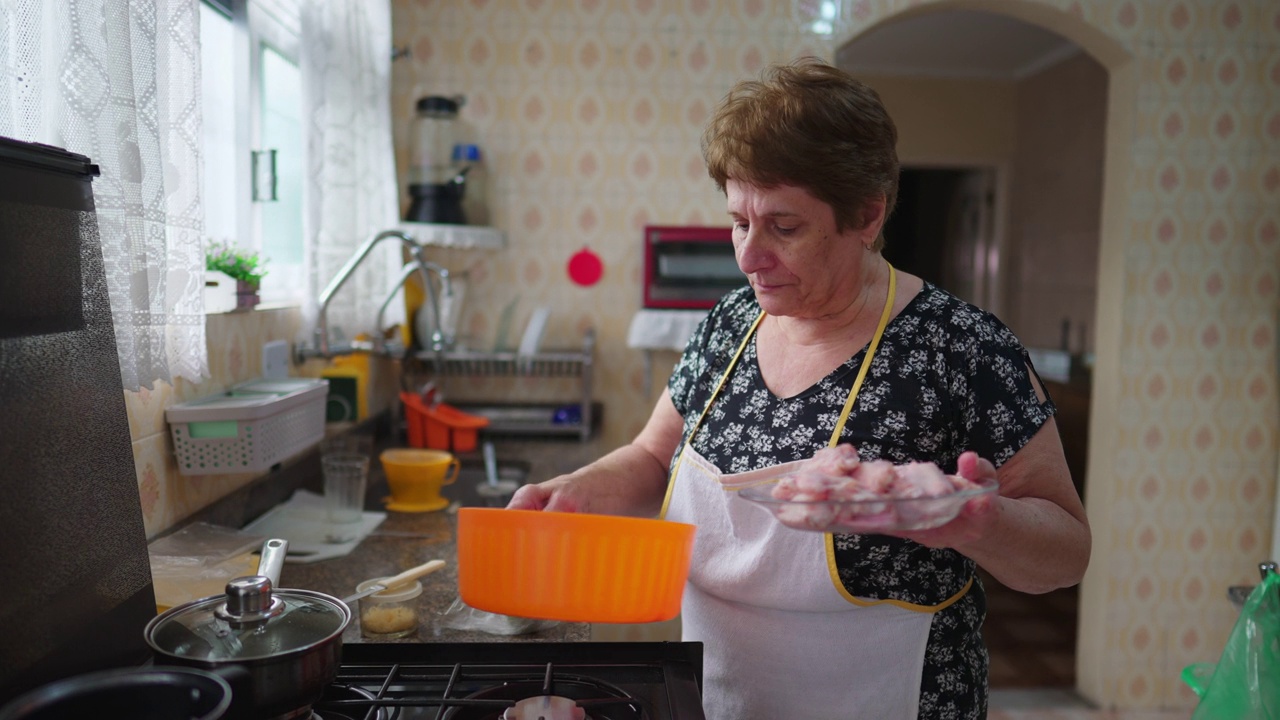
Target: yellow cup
415,477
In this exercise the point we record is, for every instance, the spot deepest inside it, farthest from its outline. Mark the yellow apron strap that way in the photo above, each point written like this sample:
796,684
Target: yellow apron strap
671,480
866,361
835,439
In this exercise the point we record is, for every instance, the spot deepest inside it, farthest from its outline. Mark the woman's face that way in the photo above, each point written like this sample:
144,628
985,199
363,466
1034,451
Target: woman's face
786,242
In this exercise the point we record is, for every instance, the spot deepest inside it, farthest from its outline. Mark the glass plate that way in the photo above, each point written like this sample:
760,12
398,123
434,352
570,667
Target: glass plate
877,515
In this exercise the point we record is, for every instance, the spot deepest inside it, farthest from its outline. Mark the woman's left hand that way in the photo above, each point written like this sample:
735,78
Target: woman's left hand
1032,534
975,518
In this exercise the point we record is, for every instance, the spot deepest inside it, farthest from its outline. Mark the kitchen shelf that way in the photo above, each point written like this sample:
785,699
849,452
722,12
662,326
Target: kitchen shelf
533,420
524,419
467,237
507,364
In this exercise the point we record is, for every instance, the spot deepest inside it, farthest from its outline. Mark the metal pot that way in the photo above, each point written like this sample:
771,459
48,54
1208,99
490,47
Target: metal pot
289,641
154,694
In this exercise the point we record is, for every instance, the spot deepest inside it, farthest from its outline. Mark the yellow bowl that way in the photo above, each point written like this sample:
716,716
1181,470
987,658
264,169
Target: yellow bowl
415,477
574,567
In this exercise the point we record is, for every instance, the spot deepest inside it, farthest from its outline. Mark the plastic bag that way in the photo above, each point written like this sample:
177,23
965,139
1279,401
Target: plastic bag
197,561
461,616
1245,683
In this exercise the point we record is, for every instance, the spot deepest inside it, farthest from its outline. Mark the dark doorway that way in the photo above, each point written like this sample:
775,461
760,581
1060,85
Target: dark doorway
943,230
916,232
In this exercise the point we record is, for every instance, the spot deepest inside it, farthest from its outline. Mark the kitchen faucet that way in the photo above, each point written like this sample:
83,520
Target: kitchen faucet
419,265
439,339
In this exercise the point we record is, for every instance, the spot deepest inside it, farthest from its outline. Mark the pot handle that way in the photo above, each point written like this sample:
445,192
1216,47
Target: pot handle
271,561
249,599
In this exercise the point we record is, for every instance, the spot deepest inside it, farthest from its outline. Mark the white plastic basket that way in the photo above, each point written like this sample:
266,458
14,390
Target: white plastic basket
250,427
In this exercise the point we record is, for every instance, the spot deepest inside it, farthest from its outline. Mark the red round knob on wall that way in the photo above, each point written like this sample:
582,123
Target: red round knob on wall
585,267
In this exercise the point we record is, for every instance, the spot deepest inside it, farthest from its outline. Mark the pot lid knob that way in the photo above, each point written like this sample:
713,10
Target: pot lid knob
249,600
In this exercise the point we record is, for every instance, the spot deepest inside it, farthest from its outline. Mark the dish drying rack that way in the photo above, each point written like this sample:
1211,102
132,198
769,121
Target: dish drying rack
443,359
525,419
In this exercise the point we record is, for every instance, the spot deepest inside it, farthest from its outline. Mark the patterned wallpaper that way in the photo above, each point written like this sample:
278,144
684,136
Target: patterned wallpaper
589,112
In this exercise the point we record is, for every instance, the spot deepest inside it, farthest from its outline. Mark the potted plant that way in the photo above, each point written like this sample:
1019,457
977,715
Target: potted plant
242,266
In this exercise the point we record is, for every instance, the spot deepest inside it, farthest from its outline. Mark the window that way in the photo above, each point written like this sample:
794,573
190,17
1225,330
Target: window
253,143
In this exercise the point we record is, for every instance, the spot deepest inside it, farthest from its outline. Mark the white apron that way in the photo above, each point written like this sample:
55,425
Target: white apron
782,637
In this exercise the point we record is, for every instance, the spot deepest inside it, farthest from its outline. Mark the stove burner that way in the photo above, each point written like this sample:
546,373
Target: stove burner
545,707
482,681
331,707
302,713
594,699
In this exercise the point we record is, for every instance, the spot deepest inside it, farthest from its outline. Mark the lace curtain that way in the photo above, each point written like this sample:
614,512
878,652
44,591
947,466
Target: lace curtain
119,81
350,176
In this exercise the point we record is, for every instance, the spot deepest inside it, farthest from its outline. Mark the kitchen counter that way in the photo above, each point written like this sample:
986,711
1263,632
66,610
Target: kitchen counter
405,540
402,541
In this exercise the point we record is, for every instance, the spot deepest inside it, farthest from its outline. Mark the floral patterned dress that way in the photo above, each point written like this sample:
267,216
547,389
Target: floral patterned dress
947,377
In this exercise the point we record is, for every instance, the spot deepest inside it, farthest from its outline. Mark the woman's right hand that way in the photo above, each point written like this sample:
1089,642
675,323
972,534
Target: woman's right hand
631,480
557,495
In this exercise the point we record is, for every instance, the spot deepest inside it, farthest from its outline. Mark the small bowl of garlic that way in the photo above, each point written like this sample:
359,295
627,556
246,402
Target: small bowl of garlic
390,614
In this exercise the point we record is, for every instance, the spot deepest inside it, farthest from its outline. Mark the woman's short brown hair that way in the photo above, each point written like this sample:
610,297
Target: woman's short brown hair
809,125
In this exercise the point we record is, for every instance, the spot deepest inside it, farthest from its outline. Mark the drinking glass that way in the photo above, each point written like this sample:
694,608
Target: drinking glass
345,477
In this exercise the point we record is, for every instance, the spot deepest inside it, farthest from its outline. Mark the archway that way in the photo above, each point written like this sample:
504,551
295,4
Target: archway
1109,281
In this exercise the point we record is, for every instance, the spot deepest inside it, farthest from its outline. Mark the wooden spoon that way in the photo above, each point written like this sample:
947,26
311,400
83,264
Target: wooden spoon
397,580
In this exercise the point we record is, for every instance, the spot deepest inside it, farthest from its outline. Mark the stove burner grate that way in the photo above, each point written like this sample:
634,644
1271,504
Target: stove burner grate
463,692
482,680
348,702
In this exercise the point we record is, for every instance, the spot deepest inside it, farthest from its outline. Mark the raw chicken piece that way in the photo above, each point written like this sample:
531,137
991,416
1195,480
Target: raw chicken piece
814,516
960,483
836,490
841,460
875,478
918,480
812,485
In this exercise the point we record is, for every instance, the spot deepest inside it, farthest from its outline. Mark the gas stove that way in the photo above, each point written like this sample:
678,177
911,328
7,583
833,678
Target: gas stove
515,681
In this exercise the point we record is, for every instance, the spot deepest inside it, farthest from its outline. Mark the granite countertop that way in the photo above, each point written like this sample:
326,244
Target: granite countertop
404,540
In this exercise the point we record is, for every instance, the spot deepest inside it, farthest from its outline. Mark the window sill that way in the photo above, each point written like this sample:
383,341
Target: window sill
284,305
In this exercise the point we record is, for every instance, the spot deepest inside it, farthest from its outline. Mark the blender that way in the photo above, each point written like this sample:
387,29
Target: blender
436,185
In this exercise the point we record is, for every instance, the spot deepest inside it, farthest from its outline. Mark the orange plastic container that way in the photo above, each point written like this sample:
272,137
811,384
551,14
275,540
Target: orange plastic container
440,426
574,567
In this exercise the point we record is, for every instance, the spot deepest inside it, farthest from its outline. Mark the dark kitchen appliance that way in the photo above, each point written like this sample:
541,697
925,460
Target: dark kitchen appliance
472,681
72,544
688,267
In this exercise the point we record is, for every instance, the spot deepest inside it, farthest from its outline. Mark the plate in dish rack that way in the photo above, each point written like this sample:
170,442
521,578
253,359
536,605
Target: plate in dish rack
863,517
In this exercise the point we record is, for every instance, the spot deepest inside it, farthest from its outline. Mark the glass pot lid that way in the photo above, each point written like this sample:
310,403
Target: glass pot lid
250,622
198,631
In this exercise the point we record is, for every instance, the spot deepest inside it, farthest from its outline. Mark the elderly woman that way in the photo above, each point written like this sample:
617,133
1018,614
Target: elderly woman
830,345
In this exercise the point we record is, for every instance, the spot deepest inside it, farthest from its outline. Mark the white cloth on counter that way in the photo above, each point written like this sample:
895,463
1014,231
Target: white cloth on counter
663,329
303,520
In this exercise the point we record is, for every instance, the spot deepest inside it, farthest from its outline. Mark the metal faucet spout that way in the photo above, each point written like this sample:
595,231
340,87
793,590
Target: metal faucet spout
439,339
322,319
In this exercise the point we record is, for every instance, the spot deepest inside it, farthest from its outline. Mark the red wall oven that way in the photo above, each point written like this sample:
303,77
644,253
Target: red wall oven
688,267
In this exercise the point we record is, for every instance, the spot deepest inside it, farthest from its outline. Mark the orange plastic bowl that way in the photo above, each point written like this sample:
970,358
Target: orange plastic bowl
574,567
